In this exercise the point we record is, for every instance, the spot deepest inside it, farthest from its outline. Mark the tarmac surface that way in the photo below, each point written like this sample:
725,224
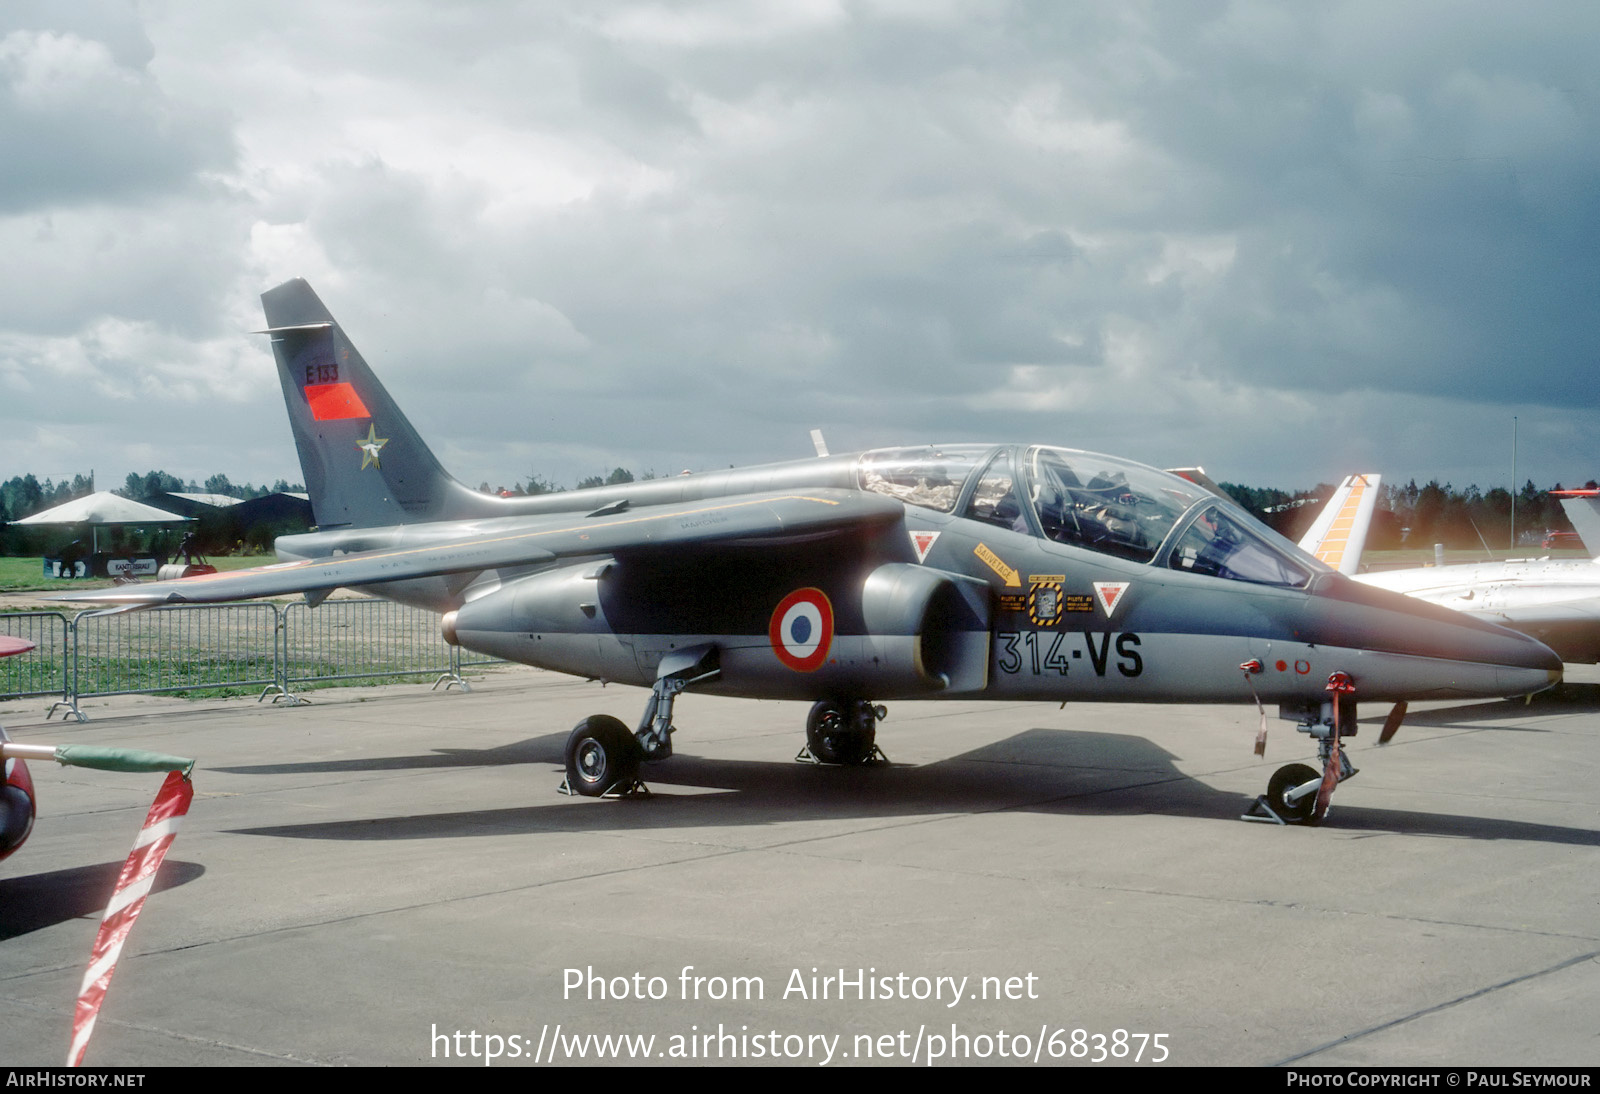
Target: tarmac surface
361,879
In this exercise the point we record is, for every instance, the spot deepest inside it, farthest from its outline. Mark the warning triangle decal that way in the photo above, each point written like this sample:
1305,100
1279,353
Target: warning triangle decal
922,543
1110,594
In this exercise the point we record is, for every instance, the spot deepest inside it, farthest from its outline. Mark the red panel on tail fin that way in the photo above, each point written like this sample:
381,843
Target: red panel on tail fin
330,402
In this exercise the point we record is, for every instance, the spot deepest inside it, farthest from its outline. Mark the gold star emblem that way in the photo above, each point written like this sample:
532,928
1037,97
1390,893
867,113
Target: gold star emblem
370,446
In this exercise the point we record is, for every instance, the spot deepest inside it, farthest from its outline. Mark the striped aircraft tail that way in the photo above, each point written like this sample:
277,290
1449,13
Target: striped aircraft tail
1339,533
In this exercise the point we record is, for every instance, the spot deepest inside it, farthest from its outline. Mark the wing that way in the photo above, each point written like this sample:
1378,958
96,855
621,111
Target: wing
457,547
1339,533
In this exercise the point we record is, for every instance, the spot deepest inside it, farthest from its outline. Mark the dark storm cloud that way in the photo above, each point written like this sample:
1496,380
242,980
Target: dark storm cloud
1417,183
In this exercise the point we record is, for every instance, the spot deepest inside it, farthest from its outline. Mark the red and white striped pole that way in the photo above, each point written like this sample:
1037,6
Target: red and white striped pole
138,875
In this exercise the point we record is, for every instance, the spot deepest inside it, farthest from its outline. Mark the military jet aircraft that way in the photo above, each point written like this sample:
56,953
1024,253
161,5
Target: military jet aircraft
1556,601
1000,571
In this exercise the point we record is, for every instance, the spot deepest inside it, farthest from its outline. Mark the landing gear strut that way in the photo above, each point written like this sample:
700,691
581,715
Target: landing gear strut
842,732
678,670
1297,793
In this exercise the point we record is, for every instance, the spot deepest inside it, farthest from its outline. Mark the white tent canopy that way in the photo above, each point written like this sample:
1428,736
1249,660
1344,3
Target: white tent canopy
103,508
217,501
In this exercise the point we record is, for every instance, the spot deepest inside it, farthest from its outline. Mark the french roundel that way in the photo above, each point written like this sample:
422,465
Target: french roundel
802,629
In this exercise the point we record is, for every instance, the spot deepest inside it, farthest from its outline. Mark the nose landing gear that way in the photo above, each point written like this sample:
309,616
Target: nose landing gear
1298,793
843,732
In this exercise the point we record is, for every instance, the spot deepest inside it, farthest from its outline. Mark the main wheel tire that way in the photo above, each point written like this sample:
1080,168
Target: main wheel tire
1286,779
835,737
601,753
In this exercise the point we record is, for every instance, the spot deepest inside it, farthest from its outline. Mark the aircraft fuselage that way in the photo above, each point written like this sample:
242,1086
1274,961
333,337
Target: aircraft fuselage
940,604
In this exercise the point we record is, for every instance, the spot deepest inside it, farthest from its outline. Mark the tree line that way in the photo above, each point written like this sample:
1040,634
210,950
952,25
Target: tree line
538,484
24,495
148,485
1420,516
1406,516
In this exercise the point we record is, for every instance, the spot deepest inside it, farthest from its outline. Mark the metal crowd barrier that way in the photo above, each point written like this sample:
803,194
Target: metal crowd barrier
198,647
362,639
182,648
45,669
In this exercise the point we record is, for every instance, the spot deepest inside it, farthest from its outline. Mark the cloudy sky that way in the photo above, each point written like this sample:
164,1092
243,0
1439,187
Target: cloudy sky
1284,241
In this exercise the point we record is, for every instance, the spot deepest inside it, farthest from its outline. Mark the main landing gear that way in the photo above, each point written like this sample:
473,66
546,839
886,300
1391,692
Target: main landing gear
602,757
1300,794
843,732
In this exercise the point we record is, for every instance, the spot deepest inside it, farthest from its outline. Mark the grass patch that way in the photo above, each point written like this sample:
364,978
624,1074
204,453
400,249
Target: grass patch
26,575
108,674
213,651
300,687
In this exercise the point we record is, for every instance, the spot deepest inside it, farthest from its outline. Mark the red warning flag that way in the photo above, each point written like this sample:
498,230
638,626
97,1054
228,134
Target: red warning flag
138,875
1340,684
331,402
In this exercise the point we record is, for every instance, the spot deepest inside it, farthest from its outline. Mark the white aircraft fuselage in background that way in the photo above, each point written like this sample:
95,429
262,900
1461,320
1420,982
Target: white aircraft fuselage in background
1556,601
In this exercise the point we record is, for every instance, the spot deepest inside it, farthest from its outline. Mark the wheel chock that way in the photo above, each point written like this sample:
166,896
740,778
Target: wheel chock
1261,811
634,789
805,756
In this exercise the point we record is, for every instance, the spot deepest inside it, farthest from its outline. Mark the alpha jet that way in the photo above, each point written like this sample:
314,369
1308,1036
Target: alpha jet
995,571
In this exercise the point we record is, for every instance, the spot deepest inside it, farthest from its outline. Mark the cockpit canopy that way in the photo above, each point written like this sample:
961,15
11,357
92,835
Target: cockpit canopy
1104,504
928,476
1098,503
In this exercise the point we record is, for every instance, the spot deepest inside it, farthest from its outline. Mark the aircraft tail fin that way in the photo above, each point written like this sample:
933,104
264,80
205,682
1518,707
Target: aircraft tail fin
364,464
1583,510
1339,533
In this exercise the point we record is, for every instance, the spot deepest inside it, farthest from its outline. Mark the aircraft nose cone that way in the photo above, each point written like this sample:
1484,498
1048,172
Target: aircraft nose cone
1528,664
1419,650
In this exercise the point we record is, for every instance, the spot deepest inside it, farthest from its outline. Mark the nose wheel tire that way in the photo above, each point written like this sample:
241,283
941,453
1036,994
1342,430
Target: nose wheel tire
602,754
1286,779
837,733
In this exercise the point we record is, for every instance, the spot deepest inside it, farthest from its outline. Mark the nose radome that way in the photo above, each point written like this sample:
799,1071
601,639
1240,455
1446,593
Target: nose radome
1492,661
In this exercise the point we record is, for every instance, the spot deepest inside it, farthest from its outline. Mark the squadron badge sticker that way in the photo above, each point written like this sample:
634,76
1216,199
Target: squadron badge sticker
1110,594
1045,602
801,629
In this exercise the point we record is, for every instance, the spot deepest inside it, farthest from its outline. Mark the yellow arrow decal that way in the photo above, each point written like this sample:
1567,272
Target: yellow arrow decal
992,560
